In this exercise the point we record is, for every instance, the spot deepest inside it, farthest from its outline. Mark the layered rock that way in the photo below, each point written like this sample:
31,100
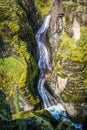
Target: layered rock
68,80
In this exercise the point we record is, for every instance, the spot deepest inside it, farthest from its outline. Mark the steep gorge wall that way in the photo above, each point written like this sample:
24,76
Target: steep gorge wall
18,68
68,80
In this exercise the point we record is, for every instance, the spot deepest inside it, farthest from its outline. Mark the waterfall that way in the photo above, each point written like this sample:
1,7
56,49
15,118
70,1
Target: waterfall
50,103
44,65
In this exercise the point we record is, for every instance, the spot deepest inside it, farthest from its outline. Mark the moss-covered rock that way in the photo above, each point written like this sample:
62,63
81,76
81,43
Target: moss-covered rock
31,123
46,115
71,60
39,120
18,68
68,80
72,9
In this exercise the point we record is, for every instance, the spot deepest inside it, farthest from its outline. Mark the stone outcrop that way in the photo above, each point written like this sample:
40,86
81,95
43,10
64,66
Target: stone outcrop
68,80
56,14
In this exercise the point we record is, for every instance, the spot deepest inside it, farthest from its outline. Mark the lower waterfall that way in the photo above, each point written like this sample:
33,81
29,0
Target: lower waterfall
50,103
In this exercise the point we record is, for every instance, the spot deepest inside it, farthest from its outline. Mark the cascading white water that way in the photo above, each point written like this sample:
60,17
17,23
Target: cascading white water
44,64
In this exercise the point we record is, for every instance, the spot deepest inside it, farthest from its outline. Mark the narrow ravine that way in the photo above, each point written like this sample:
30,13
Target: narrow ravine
50,103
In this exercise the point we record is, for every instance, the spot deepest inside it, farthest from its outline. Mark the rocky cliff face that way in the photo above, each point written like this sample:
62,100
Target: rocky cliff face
18,68
69,77
56,13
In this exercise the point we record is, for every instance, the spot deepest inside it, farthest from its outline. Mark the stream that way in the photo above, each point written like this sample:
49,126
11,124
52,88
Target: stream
50,103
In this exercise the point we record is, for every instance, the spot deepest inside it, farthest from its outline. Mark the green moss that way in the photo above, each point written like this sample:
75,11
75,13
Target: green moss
17,65
74,52
69,61
77,54
12,67
22,114
43,8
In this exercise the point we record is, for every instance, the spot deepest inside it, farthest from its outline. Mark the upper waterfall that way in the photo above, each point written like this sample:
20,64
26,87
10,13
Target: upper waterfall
45,25
44,60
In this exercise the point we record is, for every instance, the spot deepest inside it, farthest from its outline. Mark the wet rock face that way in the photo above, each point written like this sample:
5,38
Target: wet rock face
69,78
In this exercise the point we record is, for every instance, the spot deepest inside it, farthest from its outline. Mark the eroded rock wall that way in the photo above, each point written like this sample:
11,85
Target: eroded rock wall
68,80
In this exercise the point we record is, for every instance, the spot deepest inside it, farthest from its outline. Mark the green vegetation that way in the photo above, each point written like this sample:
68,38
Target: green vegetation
69,61
41,118
17,42
43,6
12,67
73,52
23,114
38,120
